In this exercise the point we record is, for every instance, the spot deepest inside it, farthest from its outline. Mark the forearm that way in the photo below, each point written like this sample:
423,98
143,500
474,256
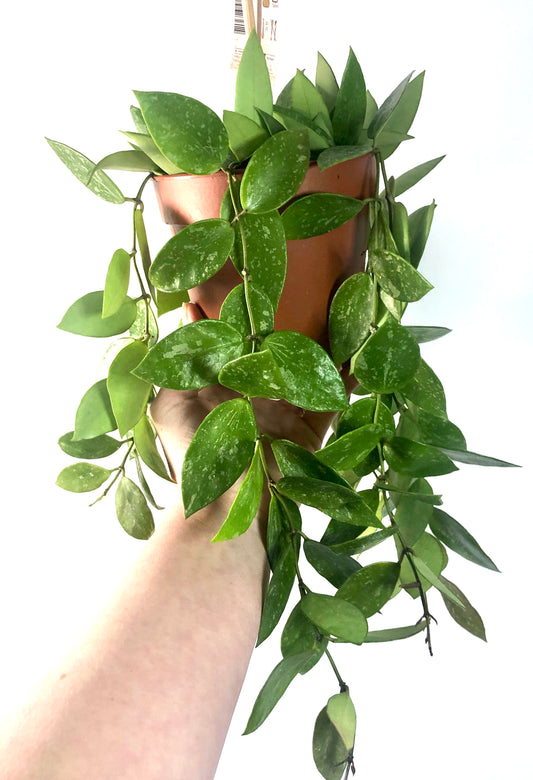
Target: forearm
151,693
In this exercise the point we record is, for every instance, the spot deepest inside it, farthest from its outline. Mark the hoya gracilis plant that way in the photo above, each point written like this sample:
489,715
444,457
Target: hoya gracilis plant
371,480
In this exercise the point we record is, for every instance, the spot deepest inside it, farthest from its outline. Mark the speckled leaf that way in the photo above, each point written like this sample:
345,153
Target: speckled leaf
350,105
275,171
326,82
275,686
279,589
300,636
338,154
412,515
86,171
350,316
192,256
352,448
363,412
245,135
310,377
319,213
97,447
296,461
367,541
82,477
438,431
133,512
94,415
333,566
266,252
220,450
116,283
191,357
256,375
464,614
388,360
129,394
253,89
457,538
425,390
188,133
234,311
398,277
334,500
144,438
329,751
341,713
370,587
420,222
418,460
335,616
246,503
84,317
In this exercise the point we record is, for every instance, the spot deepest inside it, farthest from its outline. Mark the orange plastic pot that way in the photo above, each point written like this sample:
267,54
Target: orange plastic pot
315,266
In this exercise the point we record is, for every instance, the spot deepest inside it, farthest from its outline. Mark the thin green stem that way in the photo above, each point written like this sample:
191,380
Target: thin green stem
244,272
342,685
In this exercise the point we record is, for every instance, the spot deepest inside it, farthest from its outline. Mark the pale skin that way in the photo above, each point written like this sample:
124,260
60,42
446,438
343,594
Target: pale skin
143,697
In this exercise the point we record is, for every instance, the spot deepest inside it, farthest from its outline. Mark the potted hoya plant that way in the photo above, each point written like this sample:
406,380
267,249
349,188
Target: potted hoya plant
289,235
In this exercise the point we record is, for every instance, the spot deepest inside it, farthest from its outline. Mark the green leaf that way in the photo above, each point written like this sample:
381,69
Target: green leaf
234,311
340,537
474,459
339,154
398,115
367,541
245,135
457,538
329,751
275,171
145,487
253,89
255,375
170,301
94,415
442,433
370,587
85,170
350,105
128,160
341,712
425,333
333,566
144,438
388,360
420,222
142,241
314,131
97,447
192,256
279,589
191,357
220,450
363,412
326,82
147,144
296,461
82,477
313,215
275,686
138,121
116,283
271,125
352,448
246,503
138,329
433,555
336,501
400,232
262,239
133,512
84,317
310,378
283,517
464,614
393,634
398,277
188,133
413,176
385,111
412,515
307,100
425,391
418,460
129,394
435,580
299,636
336,617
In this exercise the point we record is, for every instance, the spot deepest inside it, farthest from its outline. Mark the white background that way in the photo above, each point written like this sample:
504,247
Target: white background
68,73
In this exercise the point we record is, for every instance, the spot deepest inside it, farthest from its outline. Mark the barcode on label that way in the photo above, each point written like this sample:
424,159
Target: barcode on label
239,28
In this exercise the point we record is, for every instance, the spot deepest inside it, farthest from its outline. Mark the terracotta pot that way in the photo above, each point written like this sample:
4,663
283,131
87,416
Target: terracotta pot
316,266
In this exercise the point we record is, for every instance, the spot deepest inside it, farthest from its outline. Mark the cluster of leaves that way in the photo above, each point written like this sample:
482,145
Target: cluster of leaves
371,478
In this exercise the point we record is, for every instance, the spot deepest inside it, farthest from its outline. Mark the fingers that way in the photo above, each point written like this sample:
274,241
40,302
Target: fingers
192,312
